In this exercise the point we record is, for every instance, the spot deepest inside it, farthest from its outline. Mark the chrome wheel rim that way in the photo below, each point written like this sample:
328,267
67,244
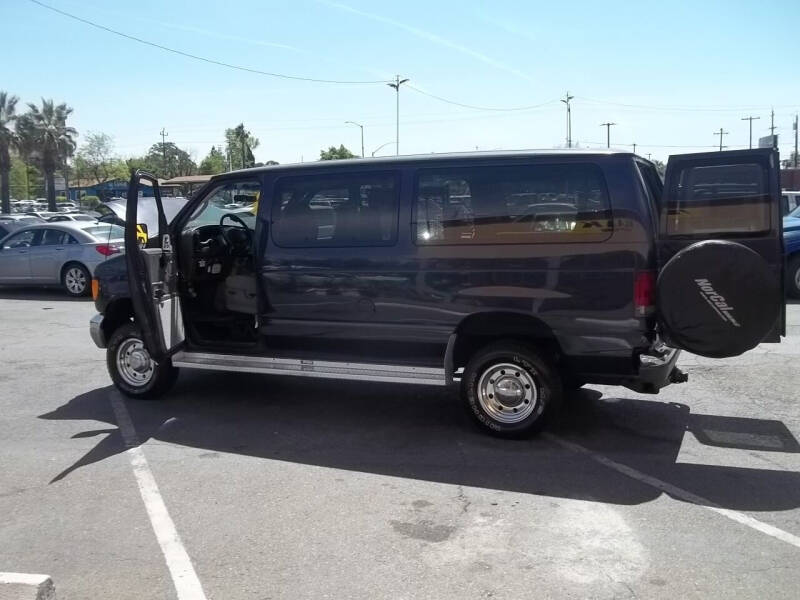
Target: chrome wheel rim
507,393
797,278
134,364
75,280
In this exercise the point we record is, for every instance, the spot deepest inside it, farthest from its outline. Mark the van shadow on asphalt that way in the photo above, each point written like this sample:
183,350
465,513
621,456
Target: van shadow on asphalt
422,433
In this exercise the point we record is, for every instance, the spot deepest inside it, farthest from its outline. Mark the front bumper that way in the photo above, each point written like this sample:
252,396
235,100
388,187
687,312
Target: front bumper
657,370
96,330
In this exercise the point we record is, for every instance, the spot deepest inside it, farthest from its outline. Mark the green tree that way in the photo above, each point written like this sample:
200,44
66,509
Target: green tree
213,163
178,161
334,153
26,180
8,110
240,143
47,140
95,160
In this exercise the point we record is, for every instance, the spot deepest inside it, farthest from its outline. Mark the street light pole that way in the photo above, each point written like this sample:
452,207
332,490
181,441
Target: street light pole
381,146
608,132
362,134
164,134
566,100
396,85
751,119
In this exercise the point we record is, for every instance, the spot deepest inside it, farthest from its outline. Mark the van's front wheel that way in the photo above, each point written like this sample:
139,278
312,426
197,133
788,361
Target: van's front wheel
510,390
132,370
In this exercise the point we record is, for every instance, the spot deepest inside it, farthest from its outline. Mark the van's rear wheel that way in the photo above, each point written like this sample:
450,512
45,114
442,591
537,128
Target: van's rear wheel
132,370
510,390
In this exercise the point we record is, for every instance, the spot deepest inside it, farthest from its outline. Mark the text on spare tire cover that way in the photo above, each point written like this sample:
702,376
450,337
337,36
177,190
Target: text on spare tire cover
716,301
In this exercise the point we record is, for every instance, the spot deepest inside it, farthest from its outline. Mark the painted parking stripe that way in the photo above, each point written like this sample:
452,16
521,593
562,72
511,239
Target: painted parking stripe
42,585
680,493
184,577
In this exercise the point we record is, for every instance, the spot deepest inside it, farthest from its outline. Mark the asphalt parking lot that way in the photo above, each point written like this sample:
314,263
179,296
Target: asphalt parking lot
248,487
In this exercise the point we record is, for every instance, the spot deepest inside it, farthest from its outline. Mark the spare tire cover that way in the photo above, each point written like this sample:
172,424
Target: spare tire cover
717,298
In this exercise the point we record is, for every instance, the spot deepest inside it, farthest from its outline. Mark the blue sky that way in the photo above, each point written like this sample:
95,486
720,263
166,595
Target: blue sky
669,74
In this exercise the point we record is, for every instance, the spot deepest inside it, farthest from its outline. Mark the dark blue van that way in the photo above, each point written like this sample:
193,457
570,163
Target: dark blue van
518,275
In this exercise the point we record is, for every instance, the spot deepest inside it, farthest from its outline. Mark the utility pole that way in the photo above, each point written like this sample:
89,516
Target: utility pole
566,100
772,128
648,156
720,133
396,85
634,147
795,140
362,134
751,119
608,132
164,134
243,139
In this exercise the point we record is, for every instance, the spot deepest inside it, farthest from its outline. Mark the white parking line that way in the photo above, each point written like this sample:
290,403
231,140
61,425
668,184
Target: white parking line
680,493
41,584
184,577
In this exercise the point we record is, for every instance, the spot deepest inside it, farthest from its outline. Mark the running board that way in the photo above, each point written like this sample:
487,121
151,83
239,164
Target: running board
310,368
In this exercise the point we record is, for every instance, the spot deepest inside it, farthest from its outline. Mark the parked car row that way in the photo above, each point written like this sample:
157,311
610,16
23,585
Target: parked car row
791,244
62,253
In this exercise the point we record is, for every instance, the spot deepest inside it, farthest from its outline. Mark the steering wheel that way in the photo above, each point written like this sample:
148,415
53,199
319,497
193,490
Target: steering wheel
242,239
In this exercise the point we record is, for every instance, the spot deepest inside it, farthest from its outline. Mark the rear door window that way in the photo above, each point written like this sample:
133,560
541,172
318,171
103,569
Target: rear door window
54,237
718,199
357,209
512,205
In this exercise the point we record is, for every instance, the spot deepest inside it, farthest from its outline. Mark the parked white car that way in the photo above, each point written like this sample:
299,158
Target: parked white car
64,253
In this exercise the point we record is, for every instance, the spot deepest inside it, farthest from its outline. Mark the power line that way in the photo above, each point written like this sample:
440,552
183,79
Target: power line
474,107
195,56
680,108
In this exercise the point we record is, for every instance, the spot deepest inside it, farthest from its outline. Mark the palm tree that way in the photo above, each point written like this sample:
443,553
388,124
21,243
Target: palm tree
45,137
8,108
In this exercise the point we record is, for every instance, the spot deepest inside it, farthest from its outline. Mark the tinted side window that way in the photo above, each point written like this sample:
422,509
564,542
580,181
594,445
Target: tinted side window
21,240
719,199
358,209
512,205
652,181
54,237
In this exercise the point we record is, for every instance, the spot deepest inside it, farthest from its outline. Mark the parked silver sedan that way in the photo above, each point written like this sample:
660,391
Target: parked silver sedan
64,253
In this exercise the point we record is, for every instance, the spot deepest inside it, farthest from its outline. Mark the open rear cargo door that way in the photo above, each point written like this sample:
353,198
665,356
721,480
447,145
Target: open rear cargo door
720,289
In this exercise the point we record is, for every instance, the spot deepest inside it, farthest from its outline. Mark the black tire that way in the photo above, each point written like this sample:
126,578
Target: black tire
513,416
793,277
76,280
155,381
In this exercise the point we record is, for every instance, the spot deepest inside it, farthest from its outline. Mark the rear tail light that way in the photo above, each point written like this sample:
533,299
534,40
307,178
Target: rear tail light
644,293
107,249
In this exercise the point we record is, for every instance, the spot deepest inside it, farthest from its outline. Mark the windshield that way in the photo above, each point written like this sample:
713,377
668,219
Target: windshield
795,213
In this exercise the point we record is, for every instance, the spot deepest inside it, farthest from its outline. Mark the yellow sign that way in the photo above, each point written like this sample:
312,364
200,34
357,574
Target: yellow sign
141,234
